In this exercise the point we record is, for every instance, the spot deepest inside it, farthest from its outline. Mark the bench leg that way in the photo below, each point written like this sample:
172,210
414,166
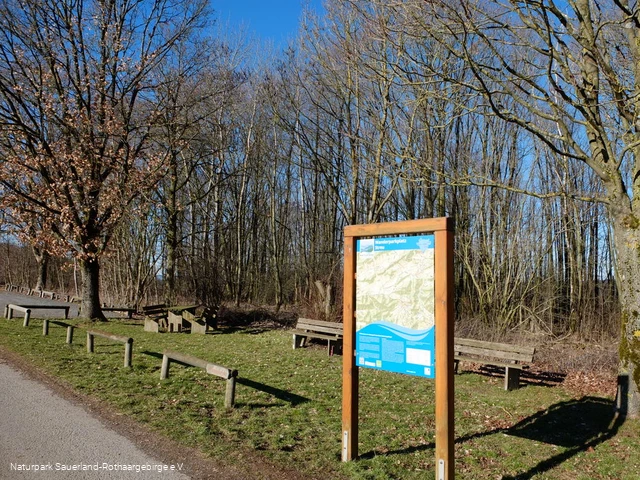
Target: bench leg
335,347
511,378
298,341
455,366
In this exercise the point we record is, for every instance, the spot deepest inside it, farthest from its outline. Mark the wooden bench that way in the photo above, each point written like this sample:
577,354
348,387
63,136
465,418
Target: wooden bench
191,322
513,358
128,310
208,318
155,317
128,343
175,322
211,368
308,328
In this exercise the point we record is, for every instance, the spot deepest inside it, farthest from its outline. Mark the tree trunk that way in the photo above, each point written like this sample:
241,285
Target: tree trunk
170,295
42,259
324,291
627,243
91,290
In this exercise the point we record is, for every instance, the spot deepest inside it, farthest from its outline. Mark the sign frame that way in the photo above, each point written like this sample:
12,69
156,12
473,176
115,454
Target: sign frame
443,231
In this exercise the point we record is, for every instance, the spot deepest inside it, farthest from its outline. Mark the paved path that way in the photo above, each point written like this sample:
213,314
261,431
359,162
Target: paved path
43,436
19,299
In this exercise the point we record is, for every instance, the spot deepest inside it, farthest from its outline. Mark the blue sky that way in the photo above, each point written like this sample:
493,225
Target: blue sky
275,20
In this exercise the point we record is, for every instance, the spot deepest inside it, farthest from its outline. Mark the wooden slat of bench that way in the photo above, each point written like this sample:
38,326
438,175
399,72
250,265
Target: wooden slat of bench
324,336
154,308
487,352
129,311
319,328
506,347
312,321
319,325
462,358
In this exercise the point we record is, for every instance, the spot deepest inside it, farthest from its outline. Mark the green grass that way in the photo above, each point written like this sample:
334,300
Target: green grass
288,408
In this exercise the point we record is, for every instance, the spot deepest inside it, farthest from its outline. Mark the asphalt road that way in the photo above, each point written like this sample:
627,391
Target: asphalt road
43,436
18,299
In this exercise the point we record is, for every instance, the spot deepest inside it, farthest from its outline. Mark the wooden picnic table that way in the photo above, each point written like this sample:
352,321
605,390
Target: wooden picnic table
183,308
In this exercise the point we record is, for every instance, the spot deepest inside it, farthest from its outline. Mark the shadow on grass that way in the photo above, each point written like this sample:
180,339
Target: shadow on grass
540,378
289,397
577,425
152,354
248,330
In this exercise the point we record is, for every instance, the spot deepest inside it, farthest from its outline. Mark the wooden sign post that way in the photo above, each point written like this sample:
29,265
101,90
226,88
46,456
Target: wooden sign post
442,231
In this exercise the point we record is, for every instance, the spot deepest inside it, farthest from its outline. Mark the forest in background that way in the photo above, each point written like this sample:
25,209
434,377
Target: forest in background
267,158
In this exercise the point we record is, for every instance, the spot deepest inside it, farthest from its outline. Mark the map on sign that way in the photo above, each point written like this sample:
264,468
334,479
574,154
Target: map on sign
395,304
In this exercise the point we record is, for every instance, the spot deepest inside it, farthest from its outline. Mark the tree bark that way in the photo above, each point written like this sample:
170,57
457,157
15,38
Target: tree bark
42,259
91,290
627,243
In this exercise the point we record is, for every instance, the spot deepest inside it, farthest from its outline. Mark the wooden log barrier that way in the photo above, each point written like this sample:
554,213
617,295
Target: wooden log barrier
128,343
211,368
45,329
10,308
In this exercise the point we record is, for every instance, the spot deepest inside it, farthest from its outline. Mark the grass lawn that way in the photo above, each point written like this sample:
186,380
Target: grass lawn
288,408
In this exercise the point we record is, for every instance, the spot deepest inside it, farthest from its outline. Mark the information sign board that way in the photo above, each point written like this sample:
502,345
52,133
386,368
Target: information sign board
395,321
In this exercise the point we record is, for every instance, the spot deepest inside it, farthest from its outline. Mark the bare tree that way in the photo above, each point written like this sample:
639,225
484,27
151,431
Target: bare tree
76,110
568,74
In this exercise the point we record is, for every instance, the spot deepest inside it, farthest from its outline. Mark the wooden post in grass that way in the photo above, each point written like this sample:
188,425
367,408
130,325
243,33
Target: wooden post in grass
444,293
350,371
442,231
230,392
69,334
89,342
128,353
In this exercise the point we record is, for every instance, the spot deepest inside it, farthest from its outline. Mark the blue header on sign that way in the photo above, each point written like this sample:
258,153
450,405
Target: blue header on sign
380,244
